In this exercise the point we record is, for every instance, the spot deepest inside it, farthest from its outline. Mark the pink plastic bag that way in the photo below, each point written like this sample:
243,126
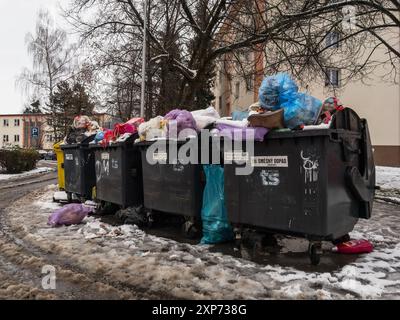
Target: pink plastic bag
69,214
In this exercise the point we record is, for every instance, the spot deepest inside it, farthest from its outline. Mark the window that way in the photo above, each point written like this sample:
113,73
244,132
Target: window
16,138
332,40
49,138
220,103
332,77
16,122
5,138
5,123
237,90
249,82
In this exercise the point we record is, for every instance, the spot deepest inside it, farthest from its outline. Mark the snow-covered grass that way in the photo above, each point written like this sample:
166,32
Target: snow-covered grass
388,177
127,255
26,174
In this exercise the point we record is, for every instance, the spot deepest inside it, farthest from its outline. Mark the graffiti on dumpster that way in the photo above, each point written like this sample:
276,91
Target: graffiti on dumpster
103,166
311,168
270,178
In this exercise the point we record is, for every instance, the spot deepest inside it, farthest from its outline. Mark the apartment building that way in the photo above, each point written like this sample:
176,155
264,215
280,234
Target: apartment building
11,131
374,99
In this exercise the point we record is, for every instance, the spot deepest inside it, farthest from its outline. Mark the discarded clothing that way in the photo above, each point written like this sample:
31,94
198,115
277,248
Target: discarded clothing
216,228
240,134
69,214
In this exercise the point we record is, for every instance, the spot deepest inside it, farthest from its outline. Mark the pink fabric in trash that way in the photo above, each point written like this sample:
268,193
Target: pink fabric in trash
68,215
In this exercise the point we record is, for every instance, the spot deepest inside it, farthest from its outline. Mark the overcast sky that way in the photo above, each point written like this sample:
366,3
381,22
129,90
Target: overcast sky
18,17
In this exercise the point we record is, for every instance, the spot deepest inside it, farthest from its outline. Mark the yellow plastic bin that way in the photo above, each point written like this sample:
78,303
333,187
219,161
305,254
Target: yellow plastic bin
60,165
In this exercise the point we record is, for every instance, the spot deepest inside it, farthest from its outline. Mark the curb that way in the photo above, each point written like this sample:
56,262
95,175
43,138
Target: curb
26,183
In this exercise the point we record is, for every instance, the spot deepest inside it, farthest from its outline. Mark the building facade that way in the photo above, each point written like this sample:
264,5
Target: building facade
372,98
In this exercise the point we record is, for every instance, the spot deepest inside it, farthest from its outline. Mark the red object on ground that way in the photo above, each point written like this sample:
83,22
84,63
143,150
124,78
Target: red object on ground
354,247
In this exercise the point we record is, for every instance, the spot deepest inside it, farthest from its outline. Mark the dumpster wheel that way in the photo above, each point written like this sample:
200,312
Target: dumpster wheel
315,252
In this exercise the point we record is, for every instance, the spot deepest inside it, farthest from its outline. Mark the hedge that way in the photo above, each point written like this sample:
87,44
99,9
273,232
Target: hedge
18,160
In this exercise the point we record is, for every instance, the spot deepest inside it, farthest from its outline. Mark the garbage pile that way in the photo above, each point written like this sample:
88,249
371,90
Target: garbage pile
281,107
81,130
85,130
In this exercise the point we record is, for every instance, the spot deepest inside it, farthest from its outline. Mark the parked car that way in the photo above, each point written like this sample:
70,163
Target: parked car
42,154
50,156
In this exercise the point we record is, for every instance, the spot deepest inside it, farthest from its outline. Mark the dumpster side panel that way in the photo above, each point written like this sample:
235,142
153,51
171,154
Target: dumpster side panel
118,175
72,170
173,188
284,197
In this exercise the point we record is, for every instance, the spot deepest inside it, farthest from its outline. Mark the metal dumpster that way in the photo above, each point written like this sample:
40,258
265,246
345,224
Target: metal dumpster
174,188
79,167
119,173
314,184
60,166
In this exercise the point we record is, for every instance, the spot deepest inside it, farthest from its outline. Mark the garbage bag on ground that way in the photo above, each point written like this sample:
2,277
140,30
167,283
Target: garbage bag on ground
179,120
69,214
216,228
133,215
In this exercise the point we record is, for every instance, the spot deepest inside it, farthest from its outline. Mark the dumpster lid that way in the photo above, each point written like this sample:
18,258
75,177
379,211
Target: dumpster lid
84,143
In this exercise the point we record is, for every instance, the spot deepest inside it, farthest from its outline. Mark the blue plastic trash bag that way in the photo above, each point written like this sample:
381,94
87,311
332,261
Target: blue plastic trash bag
216,228
304,110
277,90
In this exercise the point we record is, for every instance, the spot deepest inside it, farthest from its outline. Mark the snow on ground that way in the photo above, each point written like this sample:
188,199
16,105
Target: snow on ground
26,174
388,177
128,255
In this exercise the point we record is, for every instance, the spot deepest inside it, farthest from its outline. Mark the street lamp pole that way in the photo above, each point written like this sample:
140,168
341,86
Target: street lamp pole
142,99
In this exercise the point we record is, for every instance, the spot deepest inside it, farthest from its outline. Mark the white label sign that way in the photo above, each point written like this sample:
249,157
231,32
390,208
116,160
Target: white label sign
270,162
236,156
160,156
105,156
69,157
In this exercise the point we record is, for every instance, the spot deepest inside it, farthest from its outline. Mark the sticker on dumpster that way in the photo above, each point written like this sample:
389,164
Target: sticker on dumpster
105,156
236,156
270,178
69,157
270,162
160,156
77,162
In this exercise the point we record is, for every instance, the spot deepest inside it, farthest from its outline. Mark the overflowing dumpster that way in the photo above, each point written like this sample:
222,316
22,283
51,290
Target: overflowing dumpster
314,184
79,167
119,173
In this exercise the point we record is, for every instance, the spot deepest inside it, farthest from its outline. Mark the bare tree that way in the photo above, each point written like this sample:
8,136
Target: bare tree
53,60
188,37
